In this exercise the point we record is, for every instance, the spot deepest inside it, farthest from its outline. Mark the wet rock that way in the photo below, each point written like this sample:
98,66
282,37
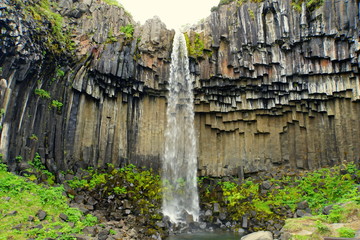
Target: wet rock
222,216
208,213
160,224
216,208
244,222
202,225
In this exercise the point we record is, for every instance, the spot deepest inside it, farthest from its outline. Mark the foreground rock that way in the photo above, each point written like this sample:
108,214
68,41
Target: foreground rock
262,235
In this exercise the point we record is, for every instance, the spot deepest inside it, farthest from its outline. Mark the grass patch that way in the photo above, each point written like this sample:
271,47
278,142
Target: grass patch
22,199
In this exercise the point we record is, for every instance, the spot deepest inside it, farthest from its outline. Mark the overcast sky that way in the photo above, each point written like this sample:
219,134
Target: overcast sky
174,13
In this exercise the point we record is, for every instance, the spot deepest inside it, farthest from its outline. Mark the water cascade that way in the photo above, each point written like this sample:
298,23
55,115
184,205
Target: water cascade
180,195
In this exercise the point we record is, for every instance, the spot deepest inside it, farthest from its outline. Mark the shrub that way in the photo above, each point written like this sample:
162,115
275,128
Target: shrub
33,137
128,30
42,93
56,104
345,232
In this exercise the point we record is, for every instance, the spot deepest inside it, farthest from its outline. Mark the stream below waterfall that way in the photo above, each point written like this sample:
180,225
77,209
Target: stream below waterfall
206,236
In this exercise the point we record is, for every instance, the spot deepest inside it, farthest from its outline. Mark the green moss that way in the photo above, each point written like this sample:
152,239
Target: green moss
56,104
311,5
111,38
128,30
113,3
251,14
195,45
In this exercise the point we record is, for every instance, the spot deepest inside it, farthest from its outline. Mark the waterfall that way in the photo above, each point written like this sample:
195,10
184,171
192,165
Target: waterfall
180,195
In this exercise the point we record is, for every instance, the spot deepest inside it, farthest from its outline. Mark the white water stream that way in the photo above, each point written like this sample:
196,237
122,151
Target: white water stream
180,195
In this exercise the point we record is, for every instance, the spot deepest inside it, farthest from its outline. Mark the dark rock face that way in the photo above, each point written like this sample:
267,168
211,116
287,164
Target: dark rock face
280,87
112,91
274,87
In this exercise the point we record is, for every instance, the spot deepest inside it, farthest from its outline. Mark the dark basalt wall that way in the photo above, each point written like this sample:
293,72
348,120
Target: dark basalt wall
280,89
274,87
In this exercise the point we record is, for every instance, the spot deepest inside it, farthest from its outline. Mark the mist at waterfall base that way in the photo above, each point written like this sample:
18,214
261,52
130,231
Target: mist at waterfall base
180,194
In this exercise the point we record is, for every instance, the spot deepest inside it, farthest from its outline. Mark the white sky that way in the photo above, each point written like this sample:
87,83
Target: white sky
174,13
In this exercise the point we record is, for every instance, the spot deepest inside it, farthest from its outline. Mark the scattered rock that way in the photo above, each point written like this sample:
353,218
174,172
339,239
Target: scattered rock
208,213
39,226
17,227
12,213
303,205
357,234
41,215
103,235
216,207
91,201
58,227
31,218
79,199
327,209
90,231
266,185
202,225
63,217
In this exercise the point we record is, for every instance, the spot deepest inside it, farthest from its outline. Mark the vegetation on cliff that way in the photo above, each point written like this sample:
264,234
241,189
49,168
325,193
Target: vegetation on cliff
56,37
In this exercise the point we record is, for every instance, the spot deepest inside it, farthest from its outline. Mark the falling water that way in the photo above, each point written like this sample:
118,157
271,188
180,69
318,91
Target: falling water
180,198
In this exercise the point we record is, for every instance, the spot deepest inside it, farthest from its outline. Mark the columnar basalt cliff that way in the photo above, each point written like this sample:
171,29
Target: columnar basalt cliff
280,87
112,91
273,86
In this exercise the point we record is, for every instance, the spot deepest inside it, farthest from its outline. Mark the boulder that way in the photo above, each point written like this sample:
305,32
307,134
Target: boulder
261,235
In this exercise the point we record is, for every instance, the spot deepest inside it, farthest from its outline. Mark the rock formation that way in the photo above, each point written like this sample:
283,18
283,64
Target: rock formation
281,87
274,87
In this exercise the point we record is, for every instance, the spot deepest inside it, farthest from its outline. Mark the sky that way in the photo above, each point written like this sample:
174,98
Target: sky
174,13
